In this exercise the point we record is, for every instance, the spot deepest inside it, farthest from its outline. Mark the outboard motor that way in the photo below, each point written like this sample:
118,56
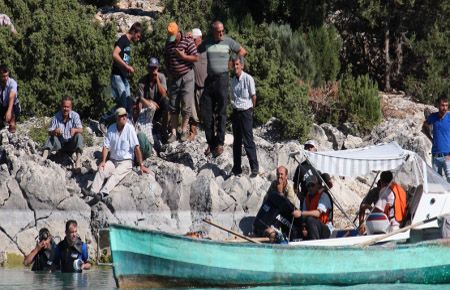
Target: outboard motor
377,223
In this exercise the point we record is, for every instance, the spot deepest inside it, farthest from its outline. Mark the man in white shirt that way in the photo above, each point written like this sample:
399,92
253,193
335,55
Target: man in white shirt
243,100
122,143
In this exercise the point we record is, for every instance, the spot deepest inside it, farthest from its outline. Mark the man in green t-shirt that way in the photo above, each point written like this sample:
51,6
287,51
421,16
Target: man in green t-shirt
215,96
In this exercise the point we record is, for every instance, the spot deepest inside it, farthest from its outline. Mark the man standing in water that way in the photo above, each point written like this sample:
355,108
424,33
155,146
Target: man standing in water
72,253
43,255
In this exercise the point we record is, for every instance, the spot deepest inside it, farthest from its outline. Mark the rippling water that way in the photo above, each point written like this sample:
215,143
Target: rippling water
102,278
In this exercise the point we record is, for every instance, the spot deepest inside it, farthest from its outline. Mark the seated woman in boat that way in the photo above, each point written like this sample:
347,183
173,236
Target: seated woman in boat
391,202
367,204
317,211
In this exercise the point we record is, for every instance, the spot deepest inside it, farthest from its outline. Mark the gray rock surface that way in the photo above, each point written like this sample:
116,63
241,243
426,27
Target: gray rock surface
184,188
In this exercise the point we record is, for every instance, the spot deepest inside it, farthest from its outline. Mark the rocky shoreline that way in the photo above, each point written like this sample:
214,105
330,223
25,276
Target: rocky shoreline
185,186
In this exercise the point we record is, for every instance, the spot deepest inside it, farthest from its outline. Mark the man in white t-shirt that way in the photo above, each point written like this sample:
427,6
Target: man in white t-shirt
122,143
386,199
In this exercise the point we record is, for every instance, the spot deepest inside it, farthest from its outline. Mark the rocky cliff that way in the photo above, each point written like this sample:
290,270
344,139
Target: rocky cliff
185,186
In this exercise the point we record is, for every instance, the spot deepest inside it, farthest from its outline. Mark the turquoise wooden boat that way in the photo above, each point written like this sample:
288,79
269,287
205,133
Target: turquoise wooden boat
146,258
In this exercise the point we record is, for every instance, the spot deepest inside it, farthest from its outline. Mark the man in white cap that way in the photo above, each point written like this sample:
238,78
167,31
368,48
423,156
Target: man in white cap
200,71
122,143
303,171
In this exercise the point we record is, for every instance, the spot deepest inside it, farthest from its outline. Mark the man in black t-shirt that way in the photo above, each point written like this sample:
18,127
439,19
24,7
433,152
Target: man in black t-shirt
121,70
303,171
276,212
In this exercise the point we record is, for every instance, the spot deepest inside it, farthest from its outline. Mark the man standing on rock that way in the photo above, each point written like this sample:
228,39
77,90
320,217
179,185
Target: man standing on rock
243,100
440,121
121,71
181,53
65,132
71,253
200,71
9,100
215,96
122,143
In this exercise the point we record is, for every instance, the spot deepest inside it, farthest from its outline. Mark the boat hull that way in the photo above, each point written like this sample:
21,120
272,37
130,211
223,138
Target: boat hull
155,259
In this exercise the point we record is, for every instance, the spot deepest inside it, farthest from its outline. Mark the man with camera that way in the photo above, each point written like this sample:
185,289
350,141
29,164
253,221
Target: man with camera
43,255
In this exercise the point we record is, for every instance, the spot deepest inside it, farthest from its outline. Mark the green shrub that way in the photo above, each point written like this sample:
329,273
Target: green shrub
59,51
430,78
359,99
325,44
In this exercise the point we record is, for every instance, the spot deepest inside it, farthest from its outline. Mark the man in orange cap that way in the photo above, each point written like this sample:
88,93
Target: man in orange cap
181,53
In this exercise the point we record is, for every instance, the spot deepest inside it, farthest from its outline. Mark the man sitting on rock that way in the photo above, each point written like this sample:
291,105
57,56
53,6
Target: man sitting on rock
71,253
317,210
282,187
9,100
122,143
142,113
43,255
152,92
65,132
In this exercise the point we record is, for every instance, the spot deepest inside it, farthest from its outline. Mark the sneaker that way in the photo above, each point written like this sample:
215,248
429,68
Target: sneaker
45,154
172,138
184,136
219,150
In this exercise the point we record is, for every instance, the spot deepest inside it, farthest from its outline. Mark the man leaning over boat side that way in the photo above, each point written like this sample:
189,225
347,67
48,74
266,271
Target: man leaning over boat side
368,203
440,121
122,142
317,210
391,201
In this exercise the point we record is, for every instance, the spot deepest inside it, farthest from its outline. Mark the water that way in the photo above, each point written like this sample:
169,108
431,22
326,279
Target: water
100,278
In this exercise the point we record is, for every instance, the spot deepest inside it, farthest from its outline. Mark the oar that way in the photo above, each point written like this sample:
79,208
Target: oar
377,239
231,232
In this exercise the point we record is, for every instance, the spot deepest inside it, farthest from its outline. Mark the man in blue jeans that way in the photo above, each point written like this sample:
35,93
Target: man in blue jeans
121,70
440,121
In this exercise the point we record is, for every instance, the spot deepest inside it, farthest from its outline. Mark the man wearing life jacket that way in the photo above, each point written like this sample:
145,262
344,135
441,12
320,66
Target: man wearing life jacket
317,210
392,200
72,253
43,255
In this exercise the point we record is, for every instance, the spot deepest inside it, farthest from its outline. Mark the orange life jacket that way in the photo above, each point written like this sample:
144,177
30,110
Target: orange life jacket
312,202
399,203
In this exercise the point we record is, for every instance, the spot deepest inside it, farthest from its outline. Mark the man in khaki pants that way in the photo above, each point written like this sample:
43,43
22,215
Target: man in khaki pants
122,143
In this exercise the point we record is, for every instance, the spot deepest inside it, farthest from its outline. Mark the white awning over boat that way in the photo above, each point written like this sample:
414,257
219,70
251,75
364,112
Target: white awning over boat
360,161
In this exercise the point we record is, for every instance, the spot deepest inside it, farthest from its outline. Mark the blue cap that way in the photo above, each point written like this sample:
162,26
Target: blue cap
153,62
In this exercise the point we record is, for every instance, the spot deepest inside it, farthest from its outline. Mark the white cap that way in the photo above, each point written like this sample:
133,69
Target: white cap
311,143
196,33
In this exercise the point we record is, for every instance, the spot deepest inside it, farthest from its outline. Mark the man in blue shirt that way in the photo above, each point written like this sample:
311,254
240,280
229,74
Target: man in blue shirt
440,121
65,132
